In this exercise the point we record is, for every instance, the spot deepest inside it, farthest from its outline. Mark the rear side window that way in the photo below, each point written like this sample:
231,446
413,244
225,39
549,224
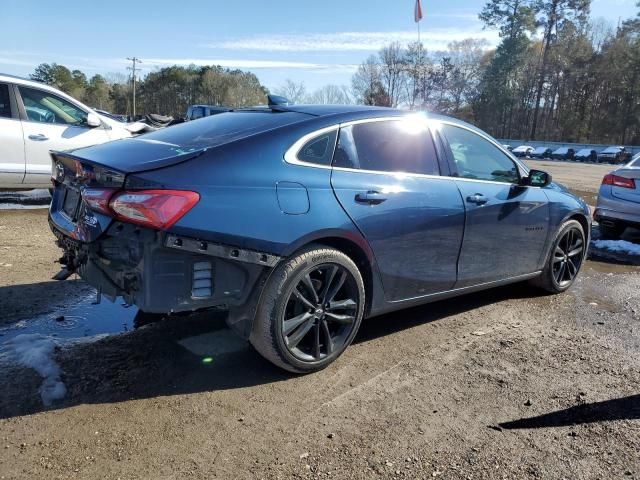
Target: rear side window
477,158
197,112
387,146
319,150
5,106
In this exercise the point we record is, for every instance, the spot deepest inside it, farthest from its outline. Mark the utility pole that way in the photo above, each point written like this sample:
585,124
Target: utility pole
133,70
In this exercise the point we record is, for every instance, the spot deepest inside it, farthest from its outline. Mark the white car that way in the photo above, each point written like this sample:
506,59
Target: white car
522,150
36,118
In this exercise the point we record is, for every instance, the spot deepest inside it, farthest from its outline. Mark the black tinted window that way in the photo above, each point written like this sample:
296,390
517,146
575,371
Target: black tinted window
476,157
197,112
389,146
5,107
319,150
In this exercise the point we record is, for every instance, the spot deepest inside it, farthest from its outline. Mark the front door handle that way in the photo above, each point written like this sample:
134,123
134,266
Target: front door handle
477,198
371,197
38,138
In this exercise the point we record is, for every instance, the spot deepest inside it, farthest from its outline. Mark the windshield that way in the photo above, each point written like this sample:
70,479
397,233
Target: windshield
540,150
611,150
562,150
584,151
522,148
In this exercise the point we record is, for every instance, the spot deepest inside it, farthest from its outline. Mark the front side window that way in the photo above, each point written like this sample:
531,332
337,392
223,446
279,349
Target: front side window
319,150
5,106
477,158
44,107
387,146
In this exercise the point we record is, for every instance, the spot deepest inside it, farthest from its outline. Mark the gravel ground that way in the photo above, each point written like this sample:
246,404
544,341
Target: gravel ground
508,383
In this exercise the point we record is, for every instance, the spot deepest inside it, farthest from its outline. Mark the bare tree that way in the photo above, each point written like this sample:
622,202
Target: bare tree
331,95
295,92
392,69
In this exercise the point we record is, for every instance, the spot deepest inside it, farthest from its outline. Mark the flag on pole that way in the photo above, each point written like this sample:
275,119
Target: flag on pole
418,11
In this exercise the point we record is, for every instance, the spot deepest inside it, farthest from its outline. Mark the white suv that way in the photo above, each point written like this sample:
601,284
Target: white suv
36,118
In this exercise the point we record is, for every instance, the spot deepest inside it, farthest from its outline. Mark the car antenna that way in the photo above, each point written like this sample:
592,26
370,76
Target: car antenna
278,103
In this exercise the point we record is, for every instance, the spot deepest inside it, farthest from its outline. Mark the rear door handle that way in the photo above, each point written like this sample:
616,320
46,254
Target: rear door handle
478,199
371,197
38,138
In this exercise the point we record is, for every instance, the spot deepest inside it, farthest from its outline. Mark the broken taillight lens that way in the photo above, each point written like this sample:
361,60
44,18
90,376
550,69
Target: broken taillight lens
158,209
98,199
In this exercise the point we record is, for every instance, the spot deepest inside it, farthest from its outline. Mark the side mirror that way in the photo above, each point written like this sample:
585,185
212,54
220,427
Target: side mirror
538,178
93,120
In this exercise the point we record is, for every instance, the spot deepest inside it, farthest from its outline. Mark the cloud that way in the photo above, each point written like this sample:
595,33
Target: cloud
244,63
434,39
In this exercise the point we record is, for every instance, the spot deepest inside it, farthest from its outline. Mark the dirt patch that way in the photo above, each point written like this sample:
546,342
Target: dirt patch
507,383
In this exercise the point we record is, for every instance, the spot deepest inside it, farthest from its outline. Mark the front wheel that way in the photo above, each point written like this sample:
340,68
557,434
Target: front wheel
310,310
564,259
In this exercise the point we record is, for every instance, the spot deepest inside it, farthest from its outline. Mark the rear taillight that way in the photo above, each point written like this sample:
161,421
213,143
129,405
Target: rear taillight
158,209
617,181
98,199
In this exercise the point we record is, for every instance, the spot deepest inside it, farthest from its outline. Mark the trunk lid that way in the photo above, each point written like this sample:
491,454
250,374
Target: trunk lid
68,213
628,194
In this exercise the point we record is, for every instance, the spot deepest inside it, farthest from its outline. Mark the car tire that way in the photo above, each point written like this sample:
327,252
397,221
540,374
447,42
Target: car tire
611,232
310,310
564,259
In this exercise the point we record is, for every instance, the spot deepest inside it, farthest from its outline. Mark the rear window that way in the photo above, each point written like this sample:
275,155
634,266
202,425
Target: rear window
219,129
562,150
611,150
584,152
540,150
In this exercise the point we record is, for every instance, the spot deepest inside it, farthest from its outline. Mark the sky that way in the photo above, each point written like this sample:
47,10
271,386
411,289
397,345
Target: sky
315,42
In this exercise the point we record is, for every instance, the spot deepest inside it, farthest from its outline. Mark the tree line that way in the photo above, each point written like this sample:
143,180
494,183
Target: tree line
556,75
168,91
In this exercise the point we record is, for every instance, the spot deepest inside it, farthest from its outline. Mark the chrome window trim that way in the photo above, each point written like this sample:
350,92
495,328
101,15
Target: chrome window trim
523,168
291,155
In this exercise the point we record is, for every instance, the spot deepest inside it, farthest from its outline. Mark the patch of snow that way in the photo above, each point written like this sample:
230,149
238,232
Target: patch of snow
20,206
36,351
621,246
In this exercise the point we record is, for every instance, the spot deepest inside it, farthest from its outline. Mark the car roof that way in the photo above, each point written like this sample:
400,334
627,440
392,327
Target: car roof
323,110
31,83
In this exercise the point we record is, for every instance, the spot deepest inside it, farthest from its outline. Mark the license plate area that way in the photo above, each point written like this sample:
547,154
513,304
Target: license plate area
70,204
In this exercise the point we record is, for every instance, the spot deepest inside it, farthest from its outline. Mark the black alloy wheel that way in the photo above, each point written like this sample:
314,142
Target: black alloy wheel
310,309
320,313
568,256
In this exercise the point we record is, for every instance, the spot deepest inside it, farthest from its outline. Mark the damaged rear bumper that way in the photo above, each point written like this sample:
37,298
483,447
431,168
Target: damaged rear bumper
164,273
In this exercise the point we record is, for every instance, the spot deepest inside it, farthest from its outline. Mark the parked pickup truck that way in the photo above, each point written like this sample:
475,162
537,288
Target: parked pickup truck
195,112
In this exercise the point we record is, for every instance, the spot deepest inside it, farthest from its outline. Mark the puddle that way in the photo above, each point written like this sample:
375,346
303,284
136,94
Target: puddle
79,321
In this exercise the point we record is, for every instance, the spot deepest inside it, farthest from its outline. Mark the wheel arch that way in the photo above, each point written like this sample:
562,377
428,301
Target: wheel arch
583,220
361,255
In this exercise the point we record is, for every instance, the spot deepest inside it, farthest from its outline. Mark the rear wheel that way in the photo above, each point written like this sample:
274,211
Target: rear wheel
310,310
564,259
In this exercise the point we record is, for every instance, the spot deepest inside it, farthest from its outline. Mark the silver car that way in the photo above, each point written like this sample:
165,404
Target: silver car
619,200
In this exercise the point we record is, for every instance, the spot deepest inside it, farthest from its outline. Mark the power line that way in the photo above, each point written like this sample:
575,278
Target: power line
134,60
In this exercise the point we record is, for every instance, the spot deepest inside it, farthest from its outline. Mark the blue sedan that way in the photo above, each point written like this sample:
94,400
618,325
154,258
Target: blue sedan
303,220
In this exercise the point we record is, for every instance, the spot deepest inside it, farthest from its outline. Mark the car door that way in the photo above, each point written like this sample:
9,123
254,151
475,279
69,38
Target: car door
12,164
507,223
386,177
52,123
